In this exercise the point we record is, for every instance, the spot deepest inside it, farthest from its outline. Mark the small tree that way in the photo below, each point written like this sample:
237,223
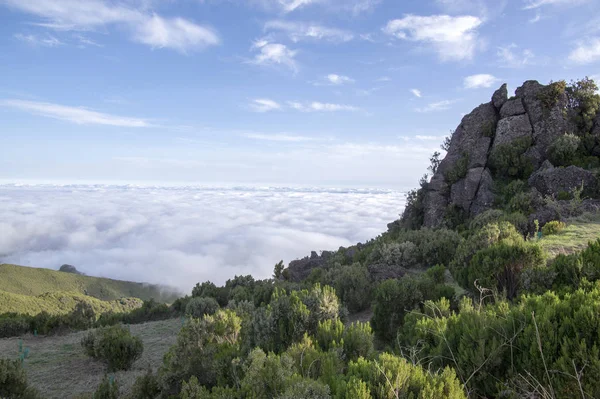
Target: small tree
278,270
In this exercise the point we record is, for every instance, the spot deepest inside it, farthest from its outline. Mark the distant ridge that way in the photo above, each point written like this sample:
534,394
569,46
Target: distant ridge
31,281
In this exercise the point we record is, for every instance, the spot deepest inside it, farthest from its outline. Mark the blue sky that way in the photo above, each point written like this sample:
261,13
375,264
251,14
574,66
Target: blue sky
287,92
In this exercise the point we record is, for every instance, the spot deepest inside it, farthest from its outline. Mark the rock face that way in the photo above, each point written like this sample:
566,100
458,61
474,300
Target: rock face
552,181
300,269
536,117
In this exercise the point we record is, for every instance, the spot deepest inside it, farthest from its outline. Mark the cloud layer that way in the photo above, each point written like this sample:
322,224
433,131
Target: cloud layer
180,236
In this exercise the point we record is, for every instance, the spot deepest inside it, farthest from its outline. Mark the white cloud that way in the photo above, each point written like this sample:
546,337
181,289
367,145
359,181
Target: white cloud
338,80
510,57
383,79
283,137
177,33
298,31
416,92
150,29
482,80
78,115
264,105
437,106
586,52
429,138
316,106
532,4
181,236
34,40
453,38
274,54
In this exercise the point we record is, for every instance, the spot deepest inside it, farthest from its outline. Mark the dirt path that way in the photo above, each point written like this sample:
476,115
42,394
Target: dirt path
59,369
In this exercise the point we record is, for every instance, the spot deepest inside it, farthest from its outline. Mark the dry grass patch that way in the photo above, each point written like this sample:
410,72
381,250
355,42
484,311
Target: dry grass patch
58,367
575,237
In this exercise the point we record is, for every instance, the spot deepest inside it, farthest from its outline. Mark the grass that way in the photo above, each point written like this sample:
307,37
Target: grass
31,281
61,303
575,237
58,368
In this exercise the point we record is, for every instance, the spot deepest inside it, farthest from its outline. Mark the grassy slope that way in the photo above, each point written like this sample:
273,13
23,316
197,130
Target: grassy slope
61,303
58,368
34,281
575,237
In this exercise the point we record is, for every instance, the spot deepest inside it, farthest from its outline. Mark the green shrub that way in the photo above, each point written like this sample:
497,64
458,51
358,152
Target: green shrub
393,299
499,266
564,196
353,286
358,341
414,211
553,227
551,94
584,101
146,386
13,381
509,160
459,169
108,389
115,345
198,307
306,389
563,150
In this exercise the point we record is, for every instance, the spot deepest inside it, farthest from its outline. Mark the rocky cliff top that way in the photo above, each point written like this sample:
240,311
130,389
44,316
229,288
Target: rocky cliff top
504,139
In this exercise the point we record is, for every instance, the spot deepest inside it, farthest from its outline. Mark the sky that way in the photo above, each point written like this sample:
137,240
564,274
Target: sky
284,92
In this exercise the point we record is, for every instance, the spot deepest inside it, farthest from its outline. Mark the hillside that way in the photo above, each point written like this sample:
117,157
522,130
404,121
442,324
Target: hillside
32,281
59,302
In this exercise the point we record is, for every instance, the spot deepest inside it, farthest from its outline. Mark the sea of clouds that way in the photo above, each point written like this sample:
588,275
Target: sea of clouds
179,236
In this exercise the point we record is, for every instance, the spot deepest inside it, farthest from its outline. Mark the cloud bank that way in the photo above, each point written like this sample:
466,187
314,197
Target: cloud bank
181,236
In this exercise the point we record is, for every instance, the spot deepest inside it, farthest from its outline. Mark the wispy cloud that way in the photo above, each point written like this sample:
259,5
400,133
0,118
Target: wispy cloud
383,79
338,80
532,4
299,31
281,137
151,29
416,92
511,57
274,54
316,106
586,52
437,106
264,105
78,115
35,40
453,38
429,138
482,80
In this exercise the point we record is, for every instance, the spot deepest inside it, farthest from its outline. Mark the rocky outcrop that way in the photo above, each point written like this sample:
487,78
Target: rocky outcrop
500,96
300,269
512,107
552,181
512,128
535,117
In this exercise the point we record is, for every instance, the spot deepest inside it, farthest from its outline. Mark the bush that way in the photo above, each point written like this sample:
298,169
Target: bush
13,381
551,94
553,227
459,170
563,150
393,298
509,160
402,254
115,345
198,307
145,387
353,286
108,389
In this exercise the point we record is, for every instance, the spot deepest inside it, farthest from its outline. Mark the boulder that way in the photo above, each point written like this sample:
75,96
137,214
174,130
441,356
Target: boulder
463,191
552,181
435,205
485,196
500,96
512,107
512,128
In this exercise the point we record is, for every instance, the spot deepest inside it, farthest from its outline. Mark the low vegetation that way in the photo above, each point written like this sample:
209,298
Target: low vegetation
115,345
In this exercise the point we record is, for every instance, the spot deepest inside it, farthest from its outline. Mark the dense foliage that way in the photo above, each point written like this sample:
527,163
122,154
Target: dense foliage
13,381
